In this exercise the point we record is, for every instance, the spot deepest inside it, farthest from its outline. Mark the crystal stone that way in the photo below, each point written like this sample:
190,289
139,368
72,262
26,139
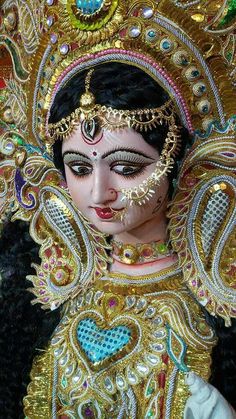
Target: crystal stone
108,384
142,369
9,146
158,347
88,297
153,359
157,321
79,301
53,38
120,382
55,340
50,20
64,360
98,295
130,301
142,302
77,377
147,12
134,31
150,312
159,334
58,352
69,370
64,48
132,377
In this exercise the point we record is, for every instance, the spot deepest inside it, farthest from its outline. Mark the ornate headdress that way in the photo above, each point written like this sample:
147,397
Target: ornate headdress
189,49
91,115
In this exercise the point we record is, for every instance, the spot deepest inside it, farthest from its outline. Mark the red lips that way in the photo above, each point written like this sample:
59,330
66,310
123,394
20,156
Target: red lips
104,213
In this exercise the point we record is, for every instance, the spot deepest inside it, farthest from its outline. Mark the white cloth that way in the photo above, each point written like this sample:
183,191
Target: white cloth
205,401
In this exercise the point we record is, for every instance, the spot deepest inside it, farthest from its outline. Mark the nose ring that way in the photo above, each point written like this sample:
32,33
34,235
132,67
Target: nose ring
113,193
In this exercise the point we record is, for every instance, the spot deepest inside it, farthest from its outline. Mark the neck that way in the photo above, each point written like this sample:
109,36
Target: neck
151,230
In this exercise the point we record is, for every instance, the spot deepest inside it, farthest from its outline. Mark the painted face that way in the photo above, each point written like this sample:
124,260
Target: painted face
97,171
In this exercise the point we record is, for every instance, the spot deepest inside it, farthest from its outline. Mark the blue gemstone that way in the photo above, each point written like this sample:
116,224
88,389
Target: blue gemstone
202,88
151,34
195,73
166,45
184,61
88,7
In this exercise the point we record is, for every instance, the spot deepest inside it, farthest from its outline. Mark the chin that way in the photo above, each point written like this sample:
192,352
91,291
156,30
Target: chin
117,227
109,227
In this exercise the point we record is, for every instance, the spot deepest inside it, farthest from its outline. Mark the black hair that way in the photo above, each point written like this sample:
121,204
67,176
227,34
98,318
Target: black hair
24,328
120,86
223,369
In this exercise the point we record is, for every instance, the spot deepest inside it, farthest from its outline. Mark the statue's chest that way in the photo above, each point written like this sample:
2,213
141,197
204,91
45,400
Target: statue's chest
113,353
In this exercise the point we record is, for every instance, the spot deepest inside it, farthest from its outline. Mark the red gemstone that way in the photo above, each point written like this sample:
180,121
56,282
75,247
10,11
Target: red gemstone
161,406
165,358
162,379
146,253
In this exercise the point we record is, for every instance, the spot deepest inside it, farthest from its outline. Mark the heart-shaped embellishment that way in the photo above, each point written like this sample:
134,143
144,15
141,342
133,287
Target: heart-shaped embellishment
100,344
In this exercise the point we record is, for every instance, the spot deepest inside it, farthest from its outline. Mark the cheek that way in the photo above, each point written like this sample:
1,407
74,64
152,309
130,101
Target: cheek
155,205
77,188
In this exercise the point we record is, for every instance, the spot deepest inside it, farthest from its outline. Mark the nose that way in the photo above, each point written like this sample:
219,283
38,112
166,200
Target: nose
103,192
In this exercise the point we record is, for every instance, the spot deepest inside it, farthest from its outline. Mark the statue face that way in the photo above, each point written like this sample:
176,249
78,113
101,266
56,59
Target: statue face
97,170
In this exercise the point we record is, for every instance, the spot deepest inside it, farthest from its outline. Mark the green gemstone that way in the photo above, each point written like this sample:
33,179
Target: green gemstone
150,390
230,14
150,413
64,382
162,248
229,56
18,139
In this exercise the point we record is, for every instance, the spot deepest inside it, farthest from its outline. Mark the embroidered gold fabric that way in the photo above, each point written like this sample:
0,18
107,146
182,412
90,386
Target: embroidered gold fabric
142,375
37,403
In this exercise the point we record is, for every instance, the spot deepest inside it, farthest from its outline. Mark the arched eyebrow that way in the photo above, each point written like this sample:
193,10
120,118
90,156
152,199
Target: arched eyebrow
76,153
108,153
127,150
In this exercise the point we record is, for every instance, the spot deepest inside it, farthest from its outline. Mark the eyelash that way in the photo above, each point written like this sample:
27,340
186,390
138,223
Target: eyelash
142,168
136,174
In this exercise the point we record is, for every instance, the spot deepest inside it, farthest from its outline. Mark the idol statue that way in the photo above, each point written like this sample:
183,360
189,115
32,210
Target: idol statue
118,154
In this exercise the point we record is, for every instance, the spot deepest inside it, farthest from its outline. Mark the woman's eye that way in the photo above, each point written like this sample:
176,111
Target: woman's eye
127,170
81,170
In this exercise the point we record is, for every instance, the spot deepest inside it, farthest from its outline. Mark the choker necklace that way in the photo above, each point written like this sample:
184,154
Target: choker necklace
140,252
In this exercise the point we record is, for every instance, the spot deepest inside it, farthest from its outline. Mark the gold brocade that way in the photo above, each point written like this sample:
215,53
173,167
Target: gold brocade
37,403
162,323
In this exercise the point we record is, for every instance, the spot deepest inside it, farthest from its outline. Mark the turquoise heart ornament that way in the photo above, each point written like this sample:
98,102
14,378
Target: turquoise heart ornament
100,344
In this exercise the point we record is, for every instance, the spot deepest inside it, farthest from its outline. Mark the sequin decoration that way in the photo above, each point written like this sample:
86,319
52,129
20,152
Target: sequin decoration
99,344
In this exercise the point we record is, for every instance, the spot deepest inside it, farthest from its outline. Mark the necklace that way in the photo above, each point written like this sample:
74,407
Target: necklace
140,252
